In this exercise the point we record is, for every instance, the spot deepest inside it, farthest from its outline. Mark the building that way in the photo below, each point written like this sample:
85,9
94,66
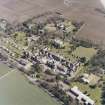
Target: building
23,62
58,43
62,69
28,66
85,78
55,62
50,28
76,94
51,64
61,26
3,24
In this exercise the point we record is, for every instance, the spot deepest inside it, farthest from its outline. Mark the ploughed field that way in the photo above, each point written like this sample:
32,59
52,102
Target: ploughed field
80,10
15,90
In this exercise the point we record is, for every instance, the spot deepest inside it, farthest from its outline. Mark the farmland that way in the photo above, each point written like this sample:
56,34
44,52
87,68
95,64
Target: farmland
81,10
84,52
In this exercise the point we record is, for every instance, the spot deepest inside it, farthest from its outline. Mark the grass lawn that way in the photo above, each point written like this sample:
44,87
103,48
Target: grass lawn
80,71
79,52
69,26
20,38
65,52
15,90
84,52
14,45
94,94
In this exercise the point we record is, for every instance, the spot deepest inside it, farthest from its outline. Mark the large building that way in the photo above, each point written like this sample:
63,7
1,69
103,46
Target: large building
76,94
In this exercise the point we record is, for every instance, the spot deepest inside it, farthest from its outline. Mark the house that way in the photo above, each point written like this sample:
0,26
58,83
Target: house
69,27
3,24
77,64
25,54
50,55
57,43
70,66
56,57
74,66
33,38
23,62
61,26
28,66
44,51
31,26
85,78
50,28
62,69
51,64
76,94
44,60
36,59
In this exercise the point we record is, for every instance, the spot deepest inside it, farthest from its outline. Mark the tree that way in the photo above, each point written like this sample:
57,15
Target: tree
58,78
92,86
38,68
98,59
49,72
35,68
83,59
103,95
73,48
38,76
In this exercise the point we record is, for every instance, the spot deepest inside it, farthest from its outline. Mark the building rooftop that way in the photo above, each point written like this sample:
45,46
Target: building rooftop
82,97
58,41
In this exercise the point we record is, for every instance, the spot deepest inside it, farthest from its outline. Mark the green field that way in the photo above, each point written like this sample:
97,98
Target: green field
65,52
84,52
15,90
80,51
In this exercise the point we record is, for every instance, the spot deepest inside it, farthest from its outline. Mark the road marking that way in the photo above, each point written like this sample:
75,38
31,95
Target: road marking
5,75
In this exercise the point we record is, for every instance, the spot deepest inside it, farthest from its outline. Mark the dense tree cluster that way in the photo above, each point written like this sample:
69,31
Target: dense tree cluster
79,42
35,69
58,93
99,59
103,95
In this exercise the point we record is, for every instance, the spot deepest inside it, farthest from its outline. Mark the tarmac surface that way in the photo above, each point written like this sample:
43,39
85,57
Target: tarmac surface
89,11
